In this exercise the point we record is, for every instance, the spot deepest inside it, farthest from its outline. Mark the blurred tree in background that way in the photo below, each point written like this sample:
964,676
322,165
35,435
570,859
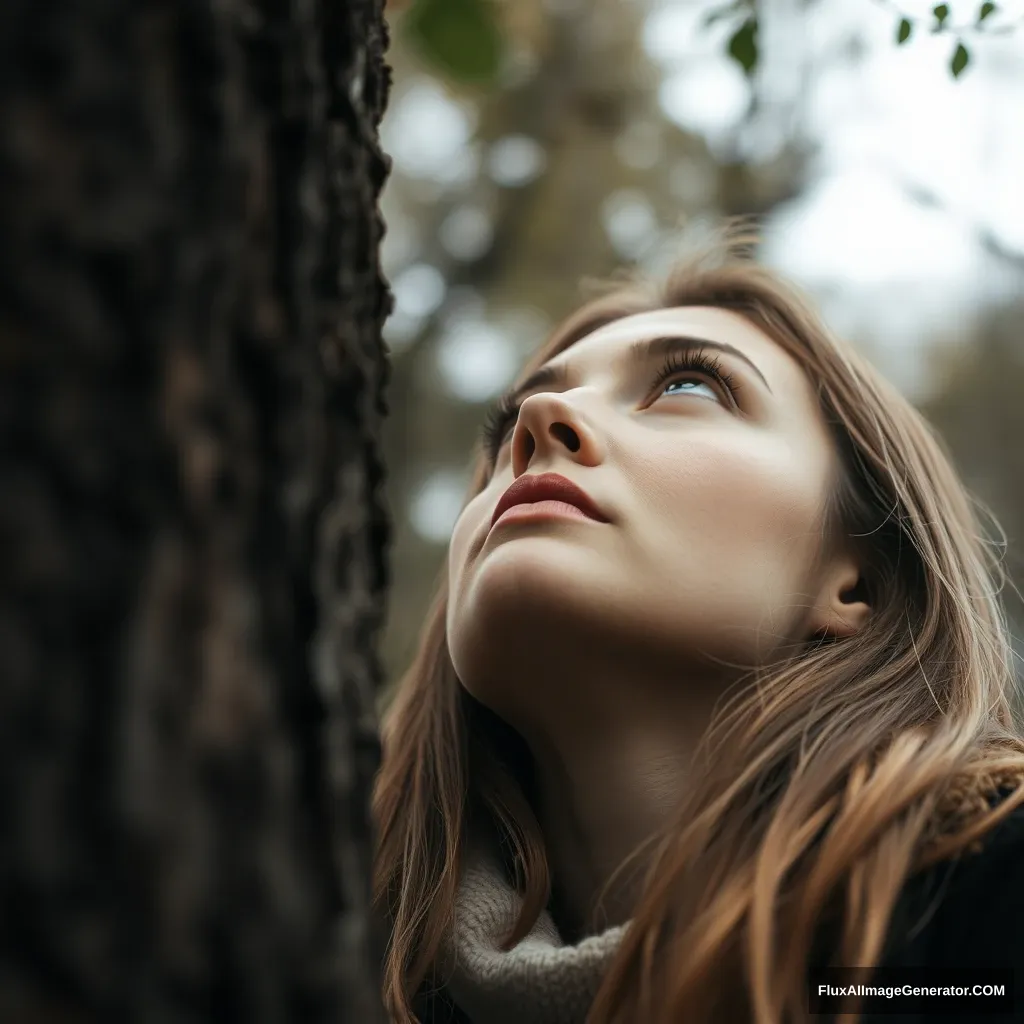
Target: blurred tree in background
192,528
979,410
538,143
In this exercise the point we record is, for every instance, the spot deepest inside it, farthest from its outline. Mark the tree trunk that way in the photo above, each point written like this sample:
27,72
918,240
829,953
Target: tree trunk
193,537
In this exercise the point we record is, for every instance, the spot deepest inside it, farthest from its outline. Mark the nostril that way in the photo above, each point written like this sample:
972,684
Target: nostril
566,435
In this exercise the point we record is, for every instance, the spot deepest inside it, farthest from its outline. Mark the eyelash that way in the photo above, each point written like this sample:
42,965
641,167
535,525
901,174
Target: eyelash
505,410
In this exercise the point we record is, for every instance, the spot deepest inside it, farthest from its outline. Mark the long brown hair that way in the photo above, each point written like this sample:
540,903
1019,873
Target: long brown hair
830,777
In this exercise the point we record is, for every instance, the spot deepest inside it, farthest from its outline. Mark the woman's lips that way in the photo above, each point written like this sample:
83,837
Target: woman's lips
535,489
547,509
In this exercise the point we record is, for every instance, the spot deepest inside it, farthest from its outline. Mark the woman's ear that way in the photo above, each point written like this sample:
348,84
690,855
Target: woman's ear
842,608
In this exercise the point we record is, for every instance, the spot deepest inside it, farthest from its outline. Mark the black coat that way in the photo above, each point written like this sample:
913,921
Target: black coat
963,913
967,913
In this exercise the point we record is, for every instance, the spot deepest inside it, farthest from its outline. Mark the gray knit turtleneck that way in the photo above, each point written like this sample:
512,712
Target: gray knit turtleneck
541,980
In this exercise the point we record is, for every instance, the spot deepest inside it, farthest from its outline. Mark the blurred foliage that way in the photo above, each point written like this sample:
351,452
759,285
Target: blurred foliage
743,45
960,60
939,22
460,37
463,38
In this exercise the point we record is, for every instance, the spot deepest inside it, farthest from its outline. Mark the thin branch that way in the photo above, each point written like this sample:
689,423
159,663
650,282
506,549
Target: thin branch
986,238
975,28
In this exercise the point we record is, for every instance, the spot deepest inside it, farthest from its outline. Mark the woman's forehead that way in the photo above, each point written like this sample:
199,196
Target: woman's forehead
613,339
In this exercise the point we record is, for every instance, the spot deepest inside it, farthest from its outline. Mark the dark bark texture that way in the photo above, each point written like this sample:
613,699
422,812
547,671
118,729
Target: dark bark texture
192,524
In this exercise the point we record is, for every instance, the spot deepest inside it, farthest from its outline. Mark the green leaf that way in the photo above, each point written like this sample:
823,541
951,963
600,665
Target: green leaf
985,10
460,37
743,45
903,32
960,60
941,12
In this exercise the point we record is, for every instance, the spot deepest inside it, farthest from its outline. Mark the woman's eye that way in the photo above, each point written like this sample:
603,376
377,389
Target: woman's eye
686,386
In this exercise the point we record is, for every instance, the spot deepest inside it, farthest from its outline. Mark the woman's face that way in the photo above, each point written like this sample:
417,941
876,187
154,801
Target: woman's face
713,504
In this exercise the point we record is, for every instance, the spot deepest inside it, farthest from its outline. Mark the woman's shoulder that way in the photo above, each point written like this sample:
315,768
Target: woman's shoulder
968,911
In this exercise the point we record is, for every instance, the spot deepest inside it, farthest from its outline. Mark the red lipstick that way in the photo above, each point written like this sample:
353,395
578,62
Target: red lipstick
529,489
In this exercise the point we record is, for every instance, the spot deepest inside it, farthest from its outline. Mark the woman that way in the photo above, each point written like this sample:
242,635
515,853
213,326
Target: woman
718,693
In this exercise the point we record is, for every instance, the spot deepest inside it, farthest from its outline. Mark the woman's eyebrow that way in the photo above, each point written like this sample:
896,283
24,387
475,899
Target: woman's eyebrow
654,348
639,351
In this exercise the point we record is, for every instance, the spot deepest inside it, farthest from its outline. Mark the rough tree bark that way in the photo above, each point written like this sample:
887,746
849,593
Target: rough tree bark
193,534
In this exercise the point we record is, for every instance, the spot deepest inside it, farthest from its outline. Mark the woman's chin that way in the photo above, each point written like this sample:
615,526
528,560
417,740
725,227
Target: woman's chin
535,576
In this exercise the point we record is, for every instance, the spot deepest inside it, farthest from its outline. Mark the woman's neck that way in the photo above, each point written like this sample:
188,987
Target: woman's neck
601,796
